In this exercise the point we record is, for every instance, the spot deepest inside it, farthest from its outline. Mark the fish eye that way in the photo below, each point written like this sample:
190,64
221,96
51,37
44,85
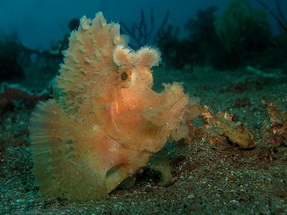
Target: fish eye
124,76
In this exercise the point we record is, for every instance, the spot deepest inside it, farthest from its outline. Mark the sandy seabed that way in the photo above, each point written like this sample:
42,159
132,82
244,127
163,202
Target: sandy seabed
209,178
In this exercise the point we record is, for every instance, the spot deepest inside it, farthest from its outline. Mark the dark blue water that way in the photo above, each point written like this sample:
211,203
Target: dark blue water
40,23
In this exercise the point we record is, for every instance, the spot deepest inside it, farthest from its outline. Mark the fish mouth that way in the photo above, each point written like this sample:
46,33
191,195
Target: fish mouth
178,106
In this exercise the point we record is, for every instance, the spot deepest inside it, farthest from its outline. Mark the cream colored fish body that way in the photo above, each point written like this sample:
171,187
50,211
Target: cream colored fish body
105,122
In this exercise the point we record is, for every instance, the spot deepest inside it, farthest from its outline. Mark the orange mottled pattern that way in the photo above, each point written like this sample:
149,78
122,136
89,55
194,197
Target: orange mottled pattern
104,122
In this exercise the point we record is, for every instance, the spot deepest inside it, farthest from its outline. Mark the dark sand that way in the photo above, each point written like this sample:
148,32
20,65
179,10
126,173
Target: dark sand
208,178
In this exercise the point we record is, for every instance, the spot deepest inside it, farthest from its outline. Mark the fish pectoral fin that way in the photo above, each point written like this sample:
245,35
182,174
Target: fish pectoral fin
128,182
113,178
160,163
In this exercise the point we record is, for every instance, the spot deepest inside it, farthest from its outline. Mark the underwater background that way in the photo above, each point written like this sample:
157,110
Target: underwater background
231,55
